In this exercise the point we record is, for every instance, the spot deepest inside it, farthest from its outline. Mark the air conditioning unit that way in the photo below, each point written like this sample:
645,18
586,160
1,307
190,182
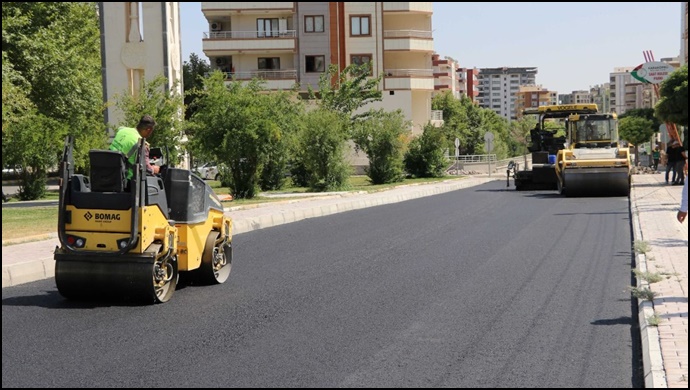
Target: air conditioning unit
216,26
220,61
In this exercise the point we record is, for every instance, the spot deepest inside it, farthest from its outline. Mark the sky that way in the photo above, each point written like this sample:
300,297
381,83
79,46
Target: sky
573,45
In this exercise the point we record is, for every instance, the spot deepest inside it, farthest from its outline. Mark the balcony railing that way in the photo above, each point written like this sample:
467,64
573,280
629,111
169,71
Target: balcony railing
408,6
236,6
436,115
263,74
409,72
423,34
250,34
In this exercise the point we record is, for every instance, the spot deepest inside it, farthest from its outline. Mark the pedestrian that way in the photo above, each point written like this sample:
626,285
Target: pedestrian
683,210
127,138
680,166
673,154
656,156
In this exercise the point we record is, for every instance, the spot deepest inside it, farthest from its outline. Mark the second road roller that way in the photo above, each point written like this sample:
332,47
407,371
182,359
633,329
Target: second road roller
589,159
130,239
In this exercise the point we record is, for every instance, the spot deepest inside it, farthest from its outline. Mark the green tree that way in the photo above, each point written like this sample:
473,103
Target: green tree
425,156
323,143
241,128
193,73
468,122
635,130
15,101
519,134
54,48
165,106
455,121
673,104
498,126
382,136
286,113
347,91
646,113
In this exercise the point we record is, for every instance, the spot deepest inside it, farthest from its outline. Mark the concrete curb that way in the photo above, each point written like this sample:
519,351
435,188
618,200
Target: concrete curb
29,271
653,363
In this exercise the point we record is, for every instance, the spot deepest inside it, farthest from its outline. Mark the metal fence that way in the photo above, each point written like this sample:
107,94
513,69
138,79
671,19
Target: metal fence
474,158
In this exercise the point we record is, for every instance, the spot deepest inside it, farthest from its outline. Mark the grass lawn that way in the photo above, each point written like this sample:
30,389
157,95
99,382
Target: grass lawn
29,224
22,224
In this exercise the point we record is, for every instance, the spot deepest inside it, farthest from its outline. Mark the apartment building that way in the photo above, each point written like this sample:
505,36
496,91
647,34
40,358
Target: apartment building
469,82
289,43
600,96
618,79
683,33
133,51
533,96
498,88
445,76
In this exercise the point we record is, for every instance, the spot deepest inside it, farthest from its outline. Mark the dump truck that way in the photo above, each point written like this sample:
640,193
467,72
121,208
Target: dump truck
130,239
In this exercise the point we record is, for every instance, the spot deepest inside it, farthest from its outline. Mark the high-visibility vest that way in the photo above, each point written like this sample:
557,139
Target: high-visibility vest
125,141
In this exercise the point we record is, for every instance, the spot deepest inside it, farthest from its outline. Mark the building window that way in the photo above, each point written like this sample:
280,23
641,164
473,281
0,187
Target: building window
359,25
361,59
315,64
269,63
313,24
266,28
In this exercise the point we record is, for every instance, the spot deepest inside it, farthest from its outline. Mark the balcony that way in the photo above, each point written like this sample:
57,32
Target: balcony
437,118
421,7
225,8
235,42
273,79
409,79
408,40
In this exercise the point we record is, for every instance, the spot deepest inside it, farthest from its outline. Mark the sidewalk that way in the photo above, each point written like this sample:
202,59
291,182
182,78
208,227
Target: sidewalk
653,207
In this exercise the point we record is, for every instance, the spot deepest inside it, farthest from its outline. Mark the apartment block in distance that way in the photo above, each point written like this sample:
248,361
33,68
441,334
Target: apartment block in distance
498,88
533,96
445,76
469,82
285,43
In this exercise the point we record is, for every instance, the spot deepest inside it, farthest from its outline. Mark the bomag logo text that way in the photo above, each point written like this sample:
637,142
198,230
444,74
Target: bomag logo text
105,217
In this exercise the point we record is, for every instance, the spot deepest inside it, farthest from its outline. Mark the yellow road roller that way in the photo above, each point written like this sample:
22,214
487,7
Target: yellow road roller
594,161
130,239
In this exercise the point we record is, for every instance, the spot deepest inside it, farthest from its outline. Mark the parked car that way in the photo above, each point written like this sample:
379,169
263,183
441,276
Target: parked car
208,171
11,172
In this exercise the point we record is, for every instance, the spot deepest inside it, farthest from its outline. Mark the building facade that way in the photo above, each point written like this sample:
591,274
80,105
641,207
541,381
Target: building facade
498,88
293,43
600,96
683,33
533,96
618,79
446,77
133,51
